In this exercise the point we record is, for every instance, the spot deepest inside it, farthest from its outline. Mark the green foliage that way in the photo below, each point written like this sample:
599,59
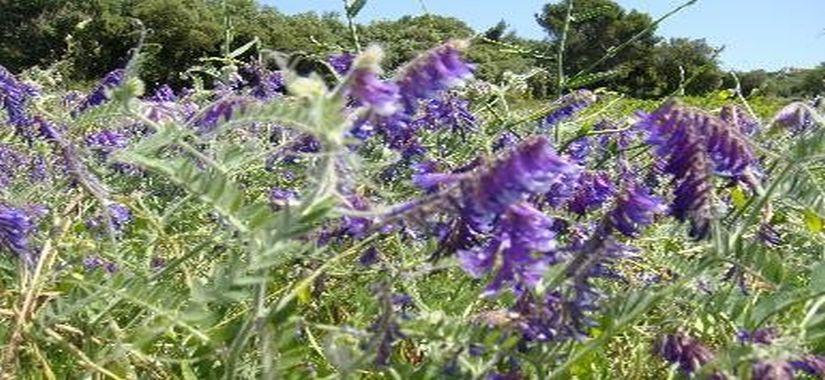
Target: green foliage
248,290
93,38
623,51
597,28
687,67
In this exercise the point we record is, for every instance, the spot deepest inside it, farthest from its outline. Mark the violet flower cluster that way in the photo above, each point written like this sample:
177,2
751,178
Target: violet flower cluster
14,164
341,62
92,263
165,106
220,111
367,88
693,146
739,117
448,112
395,103
531,168
16,228
797,117
107,142
635,207
102,93
688,353
568,106
522,243
14,98
592,191
437,70
265,84
499,231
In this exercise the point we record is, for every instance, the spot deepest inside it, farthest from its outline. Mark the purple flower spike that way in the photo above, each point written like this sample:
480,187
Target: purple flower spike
568,106
739,117
14,95
280,198
265,84
106,142
92,262
505,141
434,71
772,370
542,320
563,189
11,161
579,150
164,94
522,233
341,63
812,365
448,112
685,351
355,226
223,110
594,188
635,209
769,235
111,268
368,89
796,117
120,215
531,168
101,93
428,178
692,146
758,336
369,257
15,228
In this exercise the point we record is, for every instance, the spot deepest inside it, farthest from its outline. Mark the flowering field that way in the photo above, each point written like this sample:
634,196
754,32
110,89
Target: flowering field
270,222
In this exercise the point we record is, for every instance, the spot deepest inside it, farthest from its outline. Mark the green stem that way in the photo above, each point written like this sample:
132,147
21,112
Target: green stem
353,31
560,60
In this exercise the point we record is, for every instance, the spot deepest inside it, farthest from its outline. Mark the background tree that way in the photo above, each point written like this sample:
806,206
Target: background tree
34,32
180,31
496,32
95,36
598,27
813,82
751,82
502,51
692,61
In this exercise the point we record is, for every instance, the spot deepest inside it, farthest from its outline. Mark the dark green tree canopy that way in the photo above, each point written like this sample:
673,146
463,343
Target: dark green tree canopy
92,37
692,64
596,28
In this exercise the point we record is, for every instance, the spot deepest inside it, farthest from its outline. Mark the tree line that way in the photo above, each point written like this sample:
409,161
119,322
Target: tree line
605,44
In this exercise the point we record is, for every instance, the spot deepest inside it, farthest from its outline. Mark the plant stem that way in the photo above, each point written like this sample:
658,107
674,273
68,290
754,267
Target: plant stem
560,60
30,290
560,49
353,31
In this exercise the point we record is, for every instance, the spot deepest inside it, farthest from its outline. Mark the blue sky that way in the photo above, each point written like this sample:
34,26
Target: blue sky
768,34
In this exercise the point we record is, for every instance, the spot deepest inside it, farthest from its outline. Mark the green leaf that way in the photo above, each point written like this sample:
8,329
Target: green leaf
354,7
772,267
738,197
586,79
818,277
237,52
813,221
186,371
